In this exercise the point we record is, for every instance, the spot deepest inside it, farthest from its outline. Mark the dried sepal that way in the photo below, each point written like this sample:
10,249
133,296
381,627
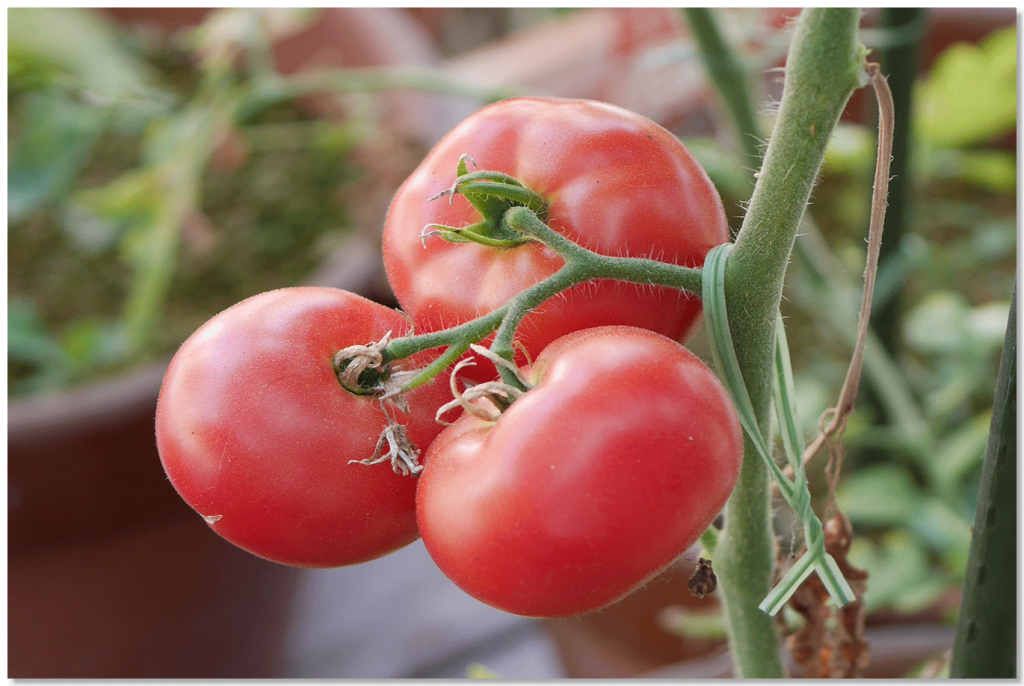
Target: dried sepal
350,363
499,361
500,395
401,451
703,581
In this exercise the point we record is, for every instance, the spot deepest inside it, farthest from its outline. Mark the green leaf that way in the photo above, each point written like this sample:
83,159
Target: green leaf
50,151
27,337
879,495
971,93
722,166
35,360
79,44
939,323
986,324
994,240
135,193
965,338
961,451
994,170
900,574
93,343
851,150
943,530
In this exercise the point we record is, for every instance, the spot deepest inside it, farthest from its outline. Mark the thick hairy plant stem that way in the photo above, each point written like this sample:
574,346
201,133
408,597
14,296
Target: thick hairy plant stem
825,65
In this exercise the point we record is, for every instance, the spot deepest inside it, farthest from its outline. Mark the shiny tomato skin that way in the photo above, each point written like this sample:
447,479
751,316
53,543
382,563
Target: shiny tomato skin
616,182
255,432
588,485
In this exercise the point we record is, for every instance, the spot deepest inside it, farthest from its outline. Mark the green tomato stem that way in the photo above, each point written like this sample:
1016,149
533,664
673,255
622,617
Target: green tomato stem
580,265
825,65
831,283
592,265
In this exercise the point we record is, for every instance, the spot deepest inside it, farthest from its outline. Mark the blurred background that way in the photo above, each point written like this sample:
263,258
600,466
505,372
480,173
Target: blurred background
165,163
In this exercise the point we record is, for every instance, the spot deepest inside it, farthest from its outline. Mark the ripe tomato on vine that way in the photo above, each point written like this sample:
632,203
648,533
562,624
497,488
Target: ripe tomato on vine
611,180
619,454
589,484
258,435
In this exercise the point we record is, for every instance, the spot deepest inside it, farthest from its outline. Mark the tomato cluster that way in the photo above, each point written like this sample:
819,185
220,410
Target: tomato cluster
620,452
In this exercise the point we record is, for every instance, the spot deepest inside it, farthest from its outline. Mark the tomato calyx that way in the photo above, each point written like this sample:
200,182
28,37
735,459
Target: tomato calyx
492,193
402,452
499,394
361,368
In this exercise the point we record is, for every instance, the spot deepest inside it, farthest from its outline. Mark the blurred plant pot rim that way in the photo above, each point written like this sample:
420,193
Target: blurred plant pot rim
112,574
84,462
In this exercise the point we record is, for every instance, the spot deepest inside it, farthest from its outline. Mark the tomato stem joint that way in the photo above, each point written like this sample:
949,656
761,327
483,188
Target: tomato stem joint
361,368
492,193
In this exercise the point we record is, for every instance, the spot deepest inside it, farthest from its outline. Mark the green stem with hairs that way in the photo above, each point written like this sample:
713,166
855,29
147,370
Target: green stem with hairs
825,65
580,265
834,293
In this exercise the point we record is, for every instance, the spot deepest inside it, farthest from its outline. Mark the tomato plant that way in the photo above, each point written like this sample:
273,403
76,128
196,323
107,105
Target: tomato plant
614,182
584,235
610,467
257,433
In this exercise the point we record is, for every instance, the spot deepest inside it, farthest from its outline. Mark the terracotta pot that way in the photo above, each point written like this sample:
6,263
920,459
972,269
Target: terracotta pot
629,638
160,599
110,574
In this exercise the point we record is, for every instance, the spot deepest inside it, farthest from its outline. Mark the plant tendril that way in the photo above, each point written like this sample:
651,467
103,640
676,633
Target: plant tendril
796,492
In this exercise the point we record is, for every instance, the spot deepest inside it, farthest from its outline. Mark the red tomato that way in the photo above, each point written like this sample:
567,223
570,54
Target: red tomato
616,183
256,432
589,484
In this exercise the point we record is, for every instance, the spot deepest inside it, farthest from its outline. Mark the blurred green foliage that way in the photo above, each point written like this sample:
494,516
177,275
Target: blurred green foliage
125,232
971,93
955,272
